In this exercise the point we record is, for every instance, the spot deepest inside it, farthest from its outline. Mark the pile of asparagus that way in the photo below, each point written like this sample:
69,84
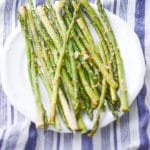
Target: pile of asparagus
79,75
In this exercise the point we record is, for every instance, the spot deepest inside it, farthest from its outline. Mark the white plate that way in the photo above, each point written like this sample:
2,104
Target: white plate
16,83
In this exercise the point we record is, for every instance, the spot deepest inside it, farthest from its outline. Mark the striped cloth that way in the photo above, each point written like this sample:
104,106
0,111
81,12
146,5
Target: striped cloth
133,131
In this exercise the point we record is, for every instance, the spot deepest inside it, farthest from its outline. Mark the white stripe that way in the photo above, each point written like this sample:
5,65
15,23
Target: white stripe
40,139
76,145
112,146
112,5
8,108
1,132
7,134
134,127
8,121
20,117
23,136
131,13
97,140
2,4
54,140
147,54
118,130
15,116
13,27
13,14
117,8
133,115
147,36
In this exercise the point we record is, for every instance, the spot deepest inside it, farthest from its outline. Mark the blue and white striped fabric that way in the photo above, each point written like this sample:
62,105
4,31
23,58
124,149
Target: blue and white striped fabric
133,131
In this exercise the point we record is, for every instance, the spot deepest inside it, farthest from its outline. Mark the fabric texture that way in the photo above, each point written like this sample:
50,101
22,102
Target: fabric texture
133,131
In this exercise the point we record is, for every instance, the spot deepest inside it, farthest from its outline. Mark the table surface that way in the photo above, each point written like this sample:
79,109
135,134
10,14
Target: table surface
133,130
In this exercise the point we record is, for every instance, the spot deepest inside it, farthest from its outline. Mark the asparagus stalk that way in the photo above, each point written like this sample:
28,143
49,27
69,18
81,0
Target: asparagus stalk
86,102
67,112
74,75
104,56
95,57
39,25
75,102
59,12
113,107
121,74
103,93
23,22
81,21
46,22
51,31
108,64
88,89
65,80
100,108
82,53
85,65
49,91
57,121
50,12
58,69
64,74
46,38
70,117
61,112
48,2
82,44
81,125
96,22
41,114
61,22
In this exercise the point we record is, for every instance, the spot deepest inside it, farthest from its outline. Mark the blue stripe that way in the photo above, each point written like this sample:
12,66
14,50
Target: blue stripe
87,143
49,138
31,142
12,140
40,2
115,135
143,119
115,6
58,141
3,108
2,138
12,114
140,21
105,136
125,132
68,141
143,111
